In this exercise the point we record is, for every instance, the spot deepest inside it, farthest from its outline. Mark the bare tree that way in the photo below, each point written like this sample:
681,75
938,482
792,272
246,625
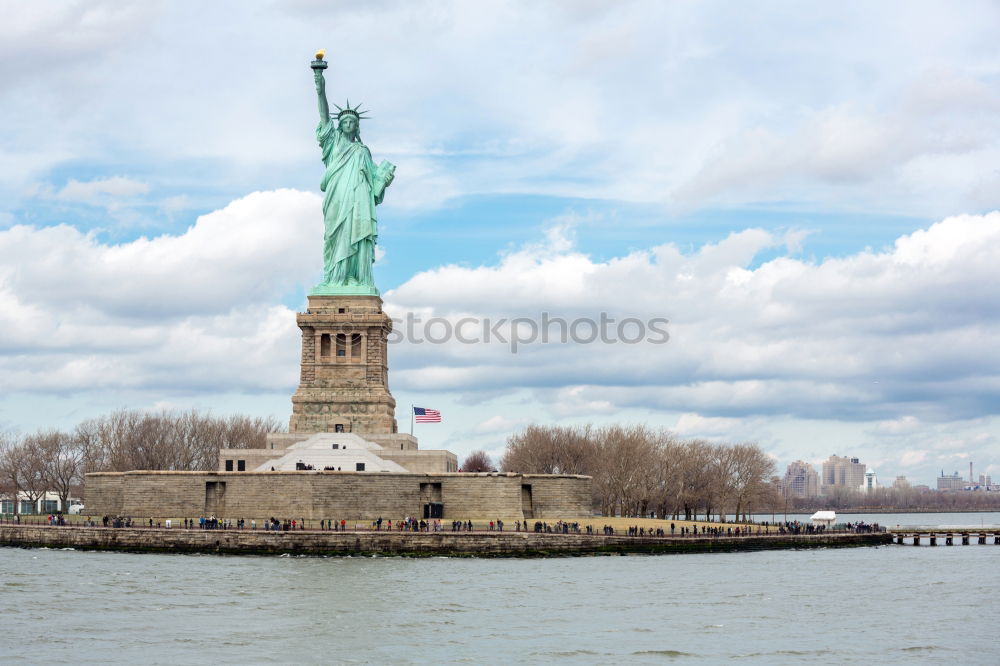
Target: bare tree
11,452
698,488
131,439
669,463
550,450
478,461
31,468
628,476
93,454
62,464
747,470
723,472
639,471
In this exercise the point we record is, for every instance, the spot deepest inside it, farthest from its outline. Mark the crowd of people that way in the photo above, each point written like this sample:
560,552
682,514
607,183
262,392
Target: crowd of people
861,527
560,527
116,521
410,524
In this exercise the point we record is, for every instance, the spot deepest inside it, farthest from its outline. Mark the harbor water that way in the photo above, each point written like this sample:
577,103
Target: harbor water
854,605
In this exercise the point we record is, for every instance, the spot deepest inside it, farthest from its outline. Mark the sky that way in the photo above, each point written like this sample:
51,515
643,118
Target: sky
790,211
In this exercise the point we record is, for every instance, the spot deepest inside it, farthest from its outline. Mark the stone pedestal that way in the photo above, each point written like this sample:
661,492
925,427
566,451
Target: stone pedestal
344,382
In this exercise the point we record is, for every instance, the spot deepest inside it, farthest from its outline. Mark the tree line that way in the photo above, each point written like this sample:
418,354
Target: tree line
128,439
641,471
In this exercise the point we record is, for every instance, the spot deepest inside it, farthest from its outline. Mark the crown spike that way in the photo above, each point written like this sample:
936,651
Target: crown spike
355,111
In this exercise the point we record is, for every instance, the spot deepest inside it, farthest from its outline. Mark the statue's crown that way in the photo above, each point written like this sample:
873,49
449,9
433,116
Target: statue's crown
350,111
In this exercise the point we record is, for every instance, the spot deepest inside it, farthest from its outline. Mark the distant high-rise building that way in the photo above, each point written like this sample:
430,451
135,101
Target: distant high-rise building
950,482
843,472
900,483
985,480
871,482
801,480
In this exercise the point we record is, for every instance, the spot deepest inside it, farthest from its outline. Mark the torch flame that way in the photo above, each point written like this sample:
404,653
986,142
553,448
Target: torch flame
320,54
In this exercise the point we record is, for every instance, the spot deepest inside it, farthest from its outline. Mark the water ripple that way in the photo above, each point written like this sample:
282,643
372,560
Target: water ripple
772,607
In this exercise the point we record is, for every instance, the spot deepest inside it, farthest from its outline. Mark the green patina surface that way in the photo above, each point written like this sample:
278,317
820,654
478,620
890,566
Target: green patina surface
353,185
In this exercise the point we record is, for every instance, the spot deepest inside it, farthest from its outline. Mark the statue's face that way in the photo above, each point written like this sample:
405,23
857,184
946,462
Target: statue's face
349,125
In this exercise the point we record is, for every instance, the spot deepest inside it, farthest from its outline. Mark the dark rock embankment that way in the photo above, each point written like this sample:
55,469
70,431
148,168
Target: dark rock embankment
452,544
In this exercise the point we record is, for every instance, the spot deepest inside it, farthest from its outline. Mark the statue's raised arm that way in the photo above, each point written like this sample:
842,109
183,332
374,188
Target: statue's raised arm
318,66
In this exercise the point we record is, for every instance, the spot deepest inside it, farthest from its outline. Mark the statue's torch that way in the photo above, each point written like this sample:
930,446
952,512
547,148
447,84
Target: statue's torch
319,63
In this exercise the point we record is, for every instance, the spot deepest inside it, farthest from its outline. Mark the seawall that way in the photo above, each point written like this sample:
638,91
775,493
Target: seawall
317,495
455,544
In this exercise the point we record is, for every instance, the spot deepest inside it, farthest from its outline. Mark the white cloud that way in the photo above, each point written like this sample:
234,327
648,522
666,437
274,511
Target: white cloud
696,425
497,424
910,458
195,311
879,109
901,426
175,204
900,341
256,249
862,337
97,190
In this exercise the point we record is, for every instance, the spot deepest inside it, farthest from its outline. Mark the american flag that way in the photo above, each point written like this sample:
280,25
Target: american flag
422,415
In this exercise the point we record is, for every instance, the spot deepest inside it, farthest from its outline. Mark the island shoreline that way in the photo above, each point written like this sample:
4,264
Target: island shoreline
411,544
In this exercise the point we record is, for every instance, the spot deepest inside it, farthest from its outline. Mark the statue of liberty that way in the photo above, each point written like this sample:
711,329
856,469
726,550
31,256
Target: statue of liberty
352,186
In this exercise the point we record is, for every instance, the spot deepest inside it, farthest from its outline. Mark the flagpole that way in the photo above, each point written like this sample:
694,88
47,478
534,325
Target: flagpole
411,419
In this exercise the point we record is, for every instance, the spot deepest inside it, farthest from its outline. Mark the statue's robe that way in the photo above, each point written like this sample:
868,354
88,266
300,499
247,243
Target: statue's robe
352,186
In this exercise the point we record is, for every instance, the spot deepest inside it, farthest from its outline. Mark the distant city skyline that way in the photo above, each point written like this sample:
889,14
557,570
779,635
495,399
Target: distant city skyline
801,479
